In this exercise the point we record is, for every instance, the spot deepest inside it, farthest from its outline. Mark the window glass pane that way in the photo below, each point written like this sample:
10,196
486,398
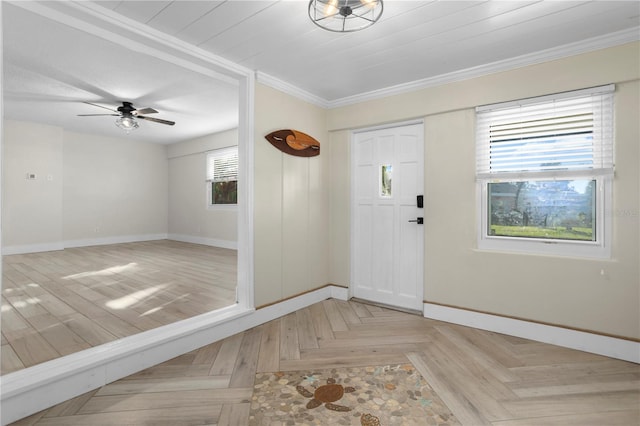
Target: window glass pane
547,209
224,192
386,173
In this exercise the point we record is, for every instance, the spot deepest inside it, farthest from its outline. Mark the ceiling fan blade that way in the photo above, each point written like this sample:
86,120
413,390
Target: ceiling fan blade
156,120
96,115
100,106
145,111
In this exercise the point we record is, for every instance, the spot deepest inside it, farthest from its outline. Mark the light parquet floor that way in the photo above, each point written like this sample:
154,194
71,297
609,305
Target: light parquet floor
484,378
61,302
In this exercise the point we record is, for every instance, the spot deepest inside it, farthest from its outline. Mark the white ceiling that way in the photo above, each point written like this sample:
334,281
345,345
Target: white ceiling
50,67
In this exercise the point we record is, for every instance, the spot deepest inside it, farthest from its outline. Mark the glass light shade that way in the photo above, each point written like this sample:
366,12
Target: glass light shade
345,15
127,123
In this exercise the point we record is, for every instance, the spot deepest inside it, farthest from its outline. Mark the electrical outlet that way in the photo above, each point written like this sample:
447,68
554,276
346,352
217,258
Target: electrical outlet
31,176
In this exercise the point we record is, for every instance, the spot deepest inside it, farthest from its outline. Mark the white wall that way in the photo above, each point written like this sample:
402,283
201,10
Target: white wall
595,295
89,189
189,218
114,188
32,209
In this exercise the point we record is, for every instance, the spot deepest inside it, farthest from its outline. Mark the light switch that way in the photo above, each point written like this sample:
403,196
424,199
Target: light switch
31,176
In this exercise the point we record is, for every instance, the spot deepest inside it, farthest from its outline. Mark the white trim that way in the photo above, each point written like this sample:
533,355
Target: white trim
609,88
118,239
246,142
28,391
599,249
31,248
593,343
213,242
419,121
340,293
86,242
584,46
290,89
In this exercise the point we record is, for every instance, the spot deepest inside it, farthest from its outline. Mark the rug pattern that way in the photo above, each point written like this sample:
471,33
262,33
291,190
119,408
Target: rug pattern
368,396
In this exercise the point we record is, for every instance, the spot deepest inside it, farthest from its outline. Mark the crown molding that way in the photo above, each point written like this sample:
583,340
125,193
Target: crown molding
571,49
290,89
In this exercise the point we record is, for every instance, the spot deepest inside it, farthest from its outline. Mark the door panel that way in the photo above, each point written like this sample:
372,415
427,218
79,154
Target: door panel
387,249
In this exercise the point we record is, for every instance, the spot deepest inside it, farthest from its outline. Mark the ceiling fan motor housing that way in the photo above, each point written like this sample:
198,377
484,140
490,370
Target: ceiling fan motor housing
126,108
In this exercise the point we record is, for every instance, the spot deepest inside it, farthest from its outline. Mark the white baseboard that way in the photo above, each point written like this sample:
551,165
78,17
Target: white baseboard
593,343
214,242
31,248
85,242
33,389
340,293
118,239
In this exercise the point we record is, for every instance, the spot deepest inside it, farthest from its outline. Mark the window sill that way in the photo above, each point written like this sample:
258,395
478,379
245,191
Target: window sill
572,249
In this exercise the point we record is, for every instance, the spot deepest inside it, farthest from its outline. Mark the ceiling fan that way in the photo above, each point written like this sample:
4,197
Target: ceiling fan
128,115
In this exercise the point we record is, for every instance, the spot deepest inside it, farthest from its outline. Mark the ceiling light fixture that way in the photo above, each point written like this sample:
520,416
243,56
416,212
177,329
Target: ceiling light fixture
127,123
344,16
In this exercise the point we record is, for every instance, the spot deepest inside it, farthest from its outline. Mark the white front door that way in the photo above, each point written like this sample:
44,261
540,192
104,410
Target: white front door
387,241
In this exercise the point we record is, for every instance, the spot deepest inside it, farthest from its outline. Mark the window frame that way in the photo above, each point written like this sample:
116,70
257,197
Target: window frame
210,180
602,174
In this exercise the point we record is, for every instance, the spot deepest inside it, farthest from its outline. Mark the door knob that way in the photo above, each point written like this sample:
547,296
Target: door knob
418,220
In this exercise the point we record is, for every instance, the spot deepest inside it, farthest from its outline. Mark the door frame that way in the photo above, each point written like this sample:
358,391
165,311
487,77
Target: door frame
352,199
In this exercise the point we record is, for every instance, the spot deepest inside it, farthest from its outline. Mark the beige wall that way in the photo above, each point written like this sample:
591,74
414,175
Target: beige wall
32,209
189,217
291,203
596,295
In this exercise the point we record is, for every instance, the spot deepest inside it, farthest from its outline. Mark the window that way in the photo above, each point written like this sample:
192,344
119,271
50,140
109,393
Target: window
222,176
544,168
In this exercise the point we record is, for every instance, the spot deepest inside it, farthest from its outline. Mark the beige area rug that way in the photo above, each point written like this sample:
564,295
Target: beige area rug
370,396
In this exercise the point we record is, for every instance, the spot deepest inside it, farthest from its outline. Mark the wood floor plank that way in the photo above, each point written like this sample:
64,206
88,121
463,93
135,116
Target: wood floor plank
307,338
563,405
166,399
58,335
289,347
129,387
207,354
610,418
10,361
269,356
454,368
234,414
321,323
32,348
479,355
226,359
334,316
466,412
90,331
183,416
70,407
244,370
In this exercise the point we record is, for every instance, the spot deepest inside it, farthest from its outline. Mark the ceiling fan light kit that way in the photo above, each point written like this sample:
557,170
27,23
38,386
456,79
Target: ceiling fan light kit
128,116
127,123
345,15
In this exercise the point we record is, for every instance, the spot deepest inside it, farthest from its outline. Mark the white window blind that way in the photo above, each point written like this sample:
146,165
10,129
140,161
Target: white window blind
222,165
550,135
